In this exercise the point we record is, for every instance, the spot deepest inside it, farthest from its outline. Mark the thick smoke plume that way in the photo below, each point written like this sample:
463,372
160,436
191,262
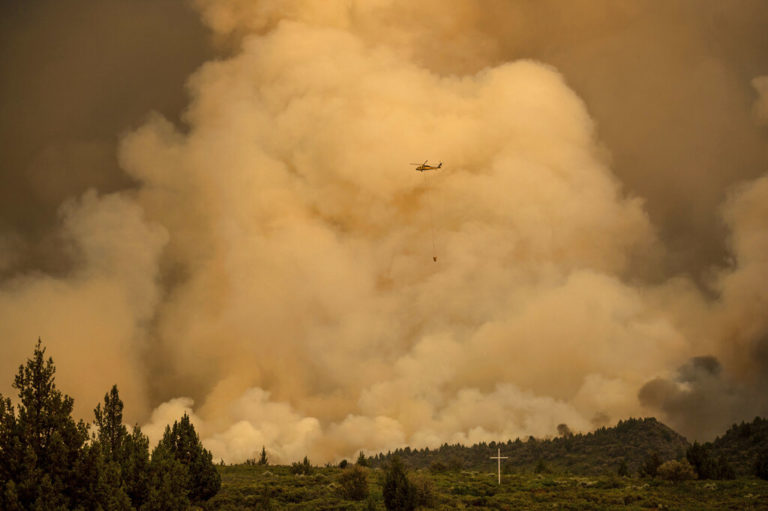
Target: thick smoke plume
272,272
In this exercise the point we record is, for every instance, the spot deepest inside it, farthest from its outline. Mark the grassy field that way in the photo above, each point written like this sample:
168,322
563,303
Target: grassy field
275,487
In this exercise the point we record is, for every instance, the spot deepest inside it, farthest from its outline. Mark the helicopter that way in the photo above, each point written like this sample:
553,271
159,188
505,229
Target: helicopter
424,166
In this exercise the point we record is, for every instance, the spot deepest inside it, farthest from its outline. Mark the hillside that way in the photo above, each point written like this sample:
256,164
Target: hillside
741,444
599,452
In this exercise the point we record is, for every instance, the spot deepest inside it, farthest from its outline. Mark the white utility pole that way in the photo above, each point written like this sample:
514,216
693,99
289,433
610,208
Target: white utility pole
499,457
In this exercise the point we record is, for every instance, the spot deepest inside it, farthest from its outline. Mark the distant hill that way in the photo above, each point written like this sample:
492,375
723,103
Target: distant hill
599,452
741,443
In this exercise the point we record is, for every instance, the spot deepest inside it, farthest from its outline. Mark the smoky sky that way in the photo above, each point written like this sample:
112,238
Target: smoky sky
211,203
73,77
667,82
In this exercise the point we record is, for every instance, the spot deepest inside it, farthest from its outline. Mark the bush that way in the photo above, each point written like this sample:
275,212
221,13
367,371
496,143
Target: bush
354,483
305,467
399,494
455,464
424,490
761,465
437,467
650,466
676,471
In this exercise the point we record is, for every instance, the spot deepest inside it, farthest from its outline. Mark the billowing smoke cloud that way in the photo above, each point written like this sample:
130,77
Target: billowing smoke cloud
698,399
272,271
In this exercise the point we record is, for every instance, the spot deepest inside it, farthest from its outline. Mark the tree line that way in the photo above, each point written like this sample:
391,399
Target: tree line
48,461
632,447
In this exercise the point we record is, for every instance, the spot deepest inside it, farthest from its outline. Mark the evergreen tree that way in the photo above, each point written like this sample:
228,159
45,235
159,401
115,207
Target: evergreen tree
181,441
361,460
110,440
263,459
10,454
42,446
723,469
398,492
761,464
705,466
112,433
650,466
168,480
136,467
698,456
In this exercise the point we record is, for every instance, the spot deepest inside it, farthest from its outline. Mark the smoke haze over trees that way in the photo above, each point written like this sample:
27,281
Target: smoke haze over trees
256,253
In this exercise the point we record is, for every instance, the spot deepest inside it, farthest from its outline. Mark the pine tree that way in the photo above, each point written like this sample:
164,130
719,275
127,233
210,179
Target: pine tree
110,440
136,470
112,433
42,446
203,480
399,494
361,460
699,458
263,459
168,481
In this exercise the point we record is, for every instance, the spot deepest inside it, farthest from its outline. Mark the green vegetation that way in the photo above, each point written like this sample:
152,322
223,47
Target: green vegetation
354,483
674,470
742,445
398,492
639,464
49,462
600,452
244,487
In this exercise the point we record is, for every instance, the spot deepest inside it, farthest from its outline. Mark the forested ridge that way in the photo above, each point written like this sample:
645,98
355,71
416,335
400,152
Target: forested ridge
631,444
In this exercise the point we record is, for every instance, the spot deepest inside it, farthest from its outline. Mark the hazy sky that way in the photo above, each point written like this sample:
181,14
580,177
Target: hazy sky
210,204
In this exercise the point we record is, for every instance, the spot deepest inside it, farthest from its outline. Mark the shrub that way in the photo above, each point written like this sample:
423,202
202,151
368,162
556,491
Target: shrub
676,471
650,466
399,494
354,483
424,490
305,467
455,464
761,465
437,467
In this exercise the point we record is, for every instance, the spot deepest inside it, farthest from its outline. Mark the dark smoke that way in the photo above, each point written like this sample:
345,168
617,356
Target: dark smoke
698,402
73,76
